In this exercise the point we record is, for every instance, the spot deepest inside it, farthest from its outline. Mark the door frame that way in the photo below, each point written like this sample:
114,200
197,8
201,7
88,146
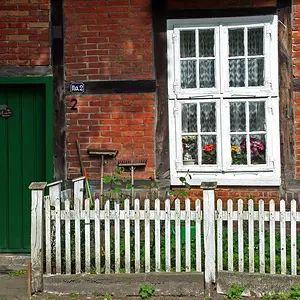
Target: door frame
47,81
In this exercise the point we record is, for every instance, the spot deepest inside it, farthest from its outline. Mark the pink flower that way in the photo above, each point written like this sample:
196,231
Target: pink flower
255,145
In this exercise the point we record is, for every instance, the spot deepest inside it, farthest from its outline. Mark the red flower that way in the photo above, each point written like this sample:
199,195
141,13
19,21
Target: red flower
209,147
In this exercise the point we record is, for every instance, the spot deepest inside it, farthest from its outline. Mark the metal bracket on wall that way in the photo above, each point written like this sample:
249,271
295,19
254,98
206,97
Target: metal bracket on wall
5,111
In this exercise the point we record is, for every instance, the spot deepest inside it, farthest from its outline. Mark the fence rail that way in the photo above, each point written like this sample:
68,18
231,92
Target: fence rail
86,236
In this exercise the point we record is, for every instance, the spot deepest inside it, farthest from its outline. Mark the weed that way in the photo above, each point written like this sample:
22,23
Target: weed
146,291
295,292
107,296
275,296
73,295
185,187
207,298
17,273
235,292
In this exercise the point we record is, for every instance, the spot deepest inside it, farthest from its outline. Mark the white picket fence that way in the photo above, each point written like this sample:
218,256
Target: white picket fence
80,238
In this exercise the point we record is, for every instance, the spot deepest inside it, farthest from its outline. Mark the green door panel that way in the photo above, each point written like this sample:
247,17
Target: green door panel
22,160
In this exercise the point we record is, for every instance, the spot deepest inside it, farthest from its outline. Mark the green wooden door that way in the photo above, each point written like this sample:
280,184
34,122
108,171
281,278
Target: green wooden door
22,160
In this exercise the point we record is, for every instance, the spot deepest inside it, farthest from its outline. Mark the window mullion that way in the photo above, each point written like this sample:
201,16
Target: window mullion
246,55
222,58
199,134
197,58
267,52
176,45
248,135
222,137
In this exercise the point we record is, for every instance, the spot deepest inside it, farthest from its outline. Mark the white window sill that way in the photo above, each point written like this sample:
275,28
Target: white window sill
230,179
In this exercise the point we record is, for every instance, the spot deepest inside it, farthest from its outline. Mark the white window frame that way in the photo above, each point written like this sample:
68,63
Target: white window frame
222,94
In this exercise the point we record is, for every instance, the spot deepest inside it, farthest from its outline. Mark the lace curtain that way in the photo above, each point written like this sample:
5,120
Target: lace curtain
246,57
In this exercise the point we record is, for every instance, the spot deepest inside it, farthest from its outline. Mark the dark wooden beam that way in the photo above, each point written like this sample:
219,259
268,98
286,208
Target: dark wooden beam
220,13
59,114
116,87
159,19
286,85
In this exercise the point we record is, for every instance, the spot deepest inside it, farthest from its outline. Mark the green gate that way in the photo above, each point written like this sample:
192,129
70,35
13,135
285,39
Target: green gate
22,159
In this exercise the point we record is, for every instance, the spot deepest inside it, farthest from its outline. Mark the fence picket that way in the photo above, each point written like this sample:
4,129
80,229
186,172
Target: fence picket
107,235
168,235
157,235
272,237
219,235
261,225
177,235
147,235
230,234
282,237
78,200
117,236
97,237
87,235
48,235
187,235
251,234
127,235
67,236
137,234
198,236
241,235
54,193
293,238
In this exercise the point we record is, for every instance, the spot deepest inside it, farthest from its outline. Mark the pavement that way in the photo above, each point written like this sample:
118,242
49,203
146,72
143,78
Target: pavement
13,286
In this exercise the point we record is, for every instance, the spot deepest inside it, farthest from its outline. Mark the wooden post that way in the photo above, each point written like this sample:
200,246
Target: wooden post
37,270
209,236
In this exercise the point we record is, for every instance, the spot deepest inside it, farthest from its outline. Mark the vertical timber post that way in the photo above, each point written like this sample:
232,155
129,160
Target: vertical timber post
209,236
37,201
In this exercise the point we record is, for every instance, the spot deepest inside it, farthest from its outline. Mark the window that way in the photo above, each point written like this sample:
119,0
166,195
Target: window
223,100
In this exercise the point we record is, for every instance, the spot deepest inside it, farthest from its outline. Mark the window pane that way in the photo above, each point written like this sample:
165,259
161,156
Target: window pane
258,149
256,41
238,155
257,116
236,42
256,71
209,150
187,44
189,117
207,73
237,116
236,72
190,149
206,43
188,74
208,117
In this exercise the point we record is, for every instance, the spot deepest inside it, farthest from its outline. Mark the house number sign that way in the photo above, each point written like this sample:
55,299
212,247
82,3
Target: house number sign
5,111
77,87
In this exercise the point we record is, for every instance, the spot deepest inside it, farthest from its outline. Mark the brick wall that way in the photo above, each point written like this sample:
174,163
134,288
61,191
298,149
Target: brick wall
116,122
296,71
24,32
109,40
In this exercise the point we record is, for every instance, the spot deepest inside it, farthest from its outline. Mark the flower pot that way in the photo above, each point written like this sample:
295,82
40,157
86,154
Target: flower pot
189,162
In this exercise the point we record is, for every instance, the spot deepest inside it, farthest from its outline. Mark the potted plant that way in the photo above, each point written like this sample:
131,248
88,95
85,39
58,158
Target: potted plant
257,148
238,157
189,144
209,154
